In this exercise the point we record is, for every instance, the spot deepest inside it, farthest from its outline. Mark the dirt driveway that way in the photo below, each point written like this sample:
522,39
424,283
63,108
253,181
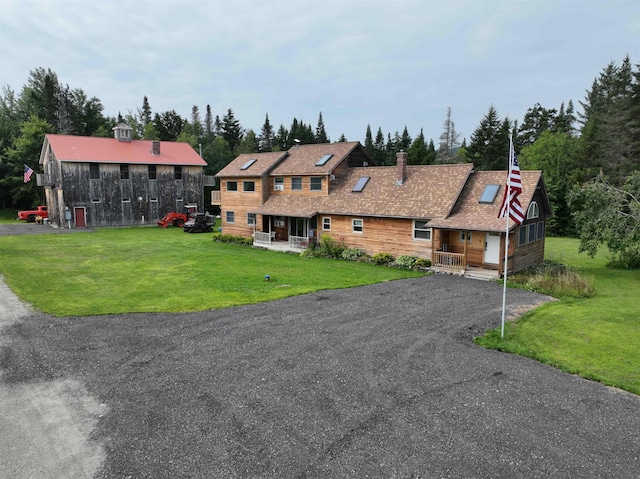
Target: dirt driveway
381,381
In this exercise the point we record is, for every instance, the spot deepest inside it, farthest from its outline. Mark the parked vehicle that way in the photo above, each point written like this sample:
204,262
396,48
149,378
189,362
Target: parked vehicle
200,223
30,215
178,219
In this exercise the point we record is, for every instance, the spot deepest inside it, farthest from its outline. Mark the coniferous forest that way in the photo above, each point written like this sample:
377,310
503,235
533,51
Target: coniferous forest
589,153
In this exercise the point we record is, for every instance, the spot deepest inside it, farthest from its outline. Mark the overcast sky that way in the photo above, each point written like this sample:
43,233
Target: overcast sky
384,63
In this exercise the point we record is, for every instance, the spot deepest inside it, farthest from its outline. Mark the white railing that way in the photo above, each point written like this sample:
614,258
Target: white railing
262,238
298,242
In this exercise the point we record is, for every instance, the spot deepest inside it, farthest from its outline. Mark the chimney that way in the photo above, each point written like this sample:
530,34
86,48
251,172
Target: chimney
402,167
155,148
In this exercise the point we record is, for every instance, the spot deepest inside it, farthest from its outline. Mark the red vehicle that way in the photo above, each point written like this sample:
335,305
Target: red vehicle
30,215
178,219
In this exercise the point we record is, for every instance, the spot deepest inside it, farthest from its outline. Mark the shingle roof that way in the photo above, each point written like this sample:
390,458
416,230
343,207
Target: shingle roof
429,191
470,214
302,158
263,164
109,150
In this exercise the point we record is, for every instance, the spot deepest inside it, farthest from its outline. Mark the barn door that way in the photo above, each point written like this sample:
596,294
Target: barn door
80,214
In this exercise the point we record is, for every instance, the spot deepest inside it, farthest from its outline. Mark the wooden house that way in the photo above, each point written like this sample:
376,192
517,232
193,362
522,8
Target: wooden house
445,213
93,182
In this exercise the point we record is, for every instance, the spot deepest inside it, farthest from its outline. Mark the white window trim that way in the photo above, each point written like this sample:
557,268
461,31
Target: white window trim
461,236
326,227
251,219
430,230
533,211
226,217
353,225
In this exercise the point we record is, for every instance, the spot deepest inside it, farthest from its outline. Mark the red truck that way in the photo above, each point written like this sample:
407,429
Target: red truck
30,215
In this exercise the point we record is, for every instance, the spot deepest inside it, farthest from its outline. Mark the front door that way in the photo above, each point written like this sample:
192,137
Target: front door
80,213
492,248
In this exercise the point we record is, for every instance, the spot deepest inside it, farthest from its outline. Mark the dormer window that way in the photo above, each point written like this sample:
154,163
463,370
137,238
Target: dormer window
533,211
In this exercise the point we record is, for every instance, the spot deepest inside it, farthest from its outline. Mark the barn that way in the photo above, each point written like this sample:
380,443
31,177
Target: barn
111,182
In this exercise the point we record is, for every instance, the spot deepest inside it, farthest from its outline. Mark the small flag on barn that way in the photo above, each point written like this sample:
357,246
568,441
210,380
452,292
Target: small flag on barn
512,206
27,174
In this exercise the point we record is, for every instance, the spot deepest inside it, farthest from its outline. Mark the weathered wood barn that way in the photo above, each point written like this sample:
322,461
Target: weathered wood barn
445,213
92,182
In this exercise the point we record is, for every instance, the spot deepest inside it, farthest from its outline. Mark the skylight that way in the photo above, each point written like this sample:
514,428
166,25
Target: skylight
489,194
323,161
248,164
362,182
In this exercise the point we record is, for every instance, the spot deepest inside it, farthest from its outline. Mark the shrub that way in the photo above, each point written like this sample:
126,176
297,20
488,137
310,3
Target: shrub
352,254
422,263
328,247
231,239
382,258
405,261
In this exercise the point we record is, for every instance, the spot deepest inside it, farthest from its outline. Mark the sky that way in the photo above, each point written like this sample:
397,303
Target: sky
387,64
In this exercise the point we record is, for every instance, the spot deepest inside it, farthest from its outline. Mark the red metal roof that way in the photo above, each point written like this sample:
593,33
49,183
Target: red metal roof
89,149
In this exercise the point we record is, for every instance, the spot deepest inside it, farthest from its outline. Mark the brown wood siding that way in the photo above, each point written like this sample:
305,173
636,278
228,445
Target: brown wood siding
389,235
241,203
306,186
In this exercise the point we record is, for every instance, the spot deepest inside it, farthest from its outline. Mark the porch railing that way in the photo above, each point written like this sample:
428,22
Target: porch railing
449,260
262,238
298,242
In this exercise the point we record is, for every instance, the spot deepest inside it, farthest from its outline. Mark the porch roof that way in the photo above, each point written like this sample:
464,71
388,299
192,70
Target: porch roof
469,214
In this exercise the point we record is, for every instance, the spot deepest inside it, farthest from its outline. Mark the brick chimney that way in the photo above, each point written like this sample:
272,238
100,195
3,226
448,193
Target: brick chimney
401,157
155,148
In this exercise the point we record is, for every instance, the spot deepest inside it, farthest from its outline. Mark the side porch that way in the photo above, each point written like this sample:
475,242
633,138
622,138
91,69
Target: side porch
285,233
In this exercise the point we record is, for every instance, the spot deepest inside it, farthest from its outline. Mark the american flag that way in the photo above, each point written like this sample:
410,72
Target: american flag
514,184
27,174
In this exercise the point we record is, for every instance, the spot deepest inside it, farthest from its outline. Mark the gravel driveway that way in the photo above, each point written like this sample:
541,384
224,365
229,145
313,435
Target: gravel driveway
381,381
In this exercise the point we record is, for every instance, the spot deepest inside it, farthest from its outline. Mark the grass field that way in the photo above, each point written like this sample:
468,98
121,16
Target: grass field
597,338
151,269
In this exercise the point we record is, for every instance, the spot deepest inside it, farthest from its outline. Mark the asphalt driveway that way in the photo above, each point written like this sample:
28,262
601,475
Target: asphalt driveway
381,381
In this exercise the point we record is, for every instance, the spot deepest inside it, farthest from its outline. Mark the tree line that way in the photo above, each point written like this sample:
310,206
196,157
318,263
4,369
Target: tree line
602,141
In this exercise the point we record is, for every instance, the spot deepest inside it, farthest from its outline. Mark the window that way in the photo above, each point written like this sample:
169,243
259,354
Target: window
421,231
251,219
326,223
153,200
362,182
323,161
489,194
462,235
316,183
248,186
232,186
94,171
153,173
278,184
124,172
95,200
540,230
177,172
522,235
296,184
230,216
248,164
532,232
533,211
357,225
126,200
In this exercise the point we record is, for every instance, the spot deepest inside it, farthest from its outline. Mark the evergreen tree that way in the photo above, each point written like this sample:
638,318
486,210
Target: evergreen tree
405,140
536,120
248,144
217,126
281,139
265,141
145,113
368,142
196,124
168,125
489,147
342,139
231,130
208,123
321,134
417,153
431,154
380,154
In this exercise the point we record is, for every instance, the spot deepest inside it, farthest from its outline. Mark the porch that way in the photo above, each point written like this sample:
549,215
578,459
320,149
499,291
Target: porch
266,240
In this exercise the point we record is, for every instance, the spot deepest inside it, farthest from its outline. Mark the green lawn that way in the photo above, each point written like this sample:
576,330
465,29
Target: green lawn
152,269
597,338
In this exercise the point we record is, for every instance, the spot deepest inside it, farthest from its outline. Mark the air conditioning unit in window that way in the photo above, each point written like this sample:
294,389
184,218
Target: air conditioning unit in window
278,187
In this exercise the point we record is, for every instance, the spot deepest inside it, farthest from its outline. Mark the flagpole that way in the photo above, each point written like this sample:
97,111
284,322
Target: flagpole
506,239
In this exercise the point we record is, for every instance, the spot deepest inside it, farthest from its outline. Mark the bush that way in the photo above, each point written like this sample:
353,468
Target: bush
352,254
382,258
231,239
422,263
405,261
329,248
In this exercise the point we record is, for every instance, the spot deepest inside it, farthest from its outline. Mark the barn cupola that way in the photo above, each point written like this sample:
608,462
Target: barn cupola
123,132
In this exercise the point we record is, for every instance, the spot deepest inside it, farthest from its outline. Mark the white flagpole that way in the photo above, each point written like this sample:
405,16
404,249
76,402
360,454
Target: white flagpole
506,239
